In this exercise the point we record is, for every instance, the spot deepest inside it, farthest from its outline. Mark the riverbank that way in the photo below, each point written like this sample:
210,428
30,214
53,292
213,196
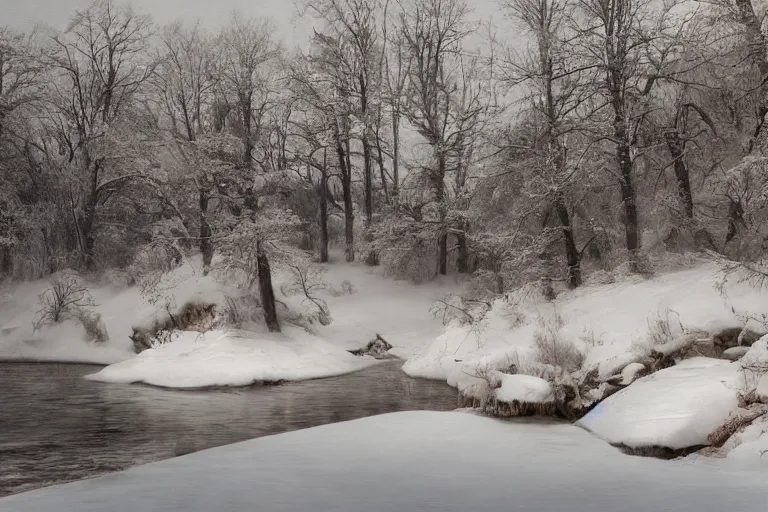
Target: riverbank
413,461
58,426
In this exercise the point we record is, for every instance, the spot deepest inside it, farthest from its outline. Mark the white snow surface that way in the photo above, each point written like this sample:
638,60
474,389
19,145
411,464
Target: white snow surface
412,461
609,322
398,311
234,358
524,388
751,445
677,407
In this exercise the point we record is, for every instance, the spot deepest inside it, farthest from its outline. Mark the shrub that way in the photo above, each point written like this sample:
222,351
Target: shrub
552,349
66,298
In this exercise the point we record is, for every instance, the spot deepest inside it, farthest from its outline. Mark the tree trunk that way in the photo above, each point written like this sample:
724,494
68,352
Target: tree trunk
346,185
266,291
395,157
324,210
382,170
368,181
206,244
571,252
676,149
628,196
439,189
6,261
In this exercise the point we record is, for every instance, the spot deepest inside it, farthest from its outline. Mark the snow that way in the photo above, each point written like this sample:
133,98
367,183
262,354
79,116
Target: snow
677,407
610,323
735,353
398,311
234,358
524,388
412,461
751,445
630,372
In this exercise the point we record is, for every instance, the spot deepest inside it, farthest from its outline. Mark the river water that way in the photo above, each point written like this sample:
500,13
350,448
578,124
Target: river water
56,426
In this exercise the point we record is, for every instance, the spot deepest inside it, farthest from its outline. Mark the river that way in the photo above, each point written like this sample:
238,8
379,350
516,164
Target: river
56,426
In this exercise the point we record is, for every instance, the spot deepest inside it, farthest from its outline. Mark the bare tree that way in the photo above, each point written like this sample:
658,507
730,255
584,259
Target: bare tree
245,48
100,61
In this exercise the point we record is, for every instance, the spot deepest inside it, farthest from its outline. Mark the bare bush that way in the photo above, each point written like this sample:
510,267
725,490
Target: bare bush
64,299
307,280
661,329
238,312
450,308
552,349
346,288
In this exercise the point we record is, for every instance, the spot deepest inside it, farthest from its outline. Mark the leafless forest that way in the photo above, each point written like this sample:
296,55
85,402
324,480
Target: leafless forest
571,137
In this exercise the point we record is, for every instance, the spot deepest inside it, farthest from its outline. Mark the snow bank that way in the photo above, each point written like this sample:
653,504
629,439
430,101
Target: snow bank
412,461
610,323
399,311
674,408
234,358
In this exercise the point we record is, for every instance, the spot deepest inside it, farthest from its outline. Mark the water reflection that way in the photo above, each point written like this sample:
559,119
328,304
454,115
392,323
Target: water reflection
56,426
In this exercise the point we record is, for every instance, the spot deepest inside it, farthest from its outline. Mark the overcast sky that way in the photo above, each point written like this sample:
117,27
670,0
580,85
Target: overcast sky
25,14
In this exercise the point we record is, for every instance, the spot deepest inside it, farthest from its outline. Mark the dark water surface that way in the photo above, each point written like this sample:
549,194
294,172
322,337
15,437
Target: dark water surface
56,426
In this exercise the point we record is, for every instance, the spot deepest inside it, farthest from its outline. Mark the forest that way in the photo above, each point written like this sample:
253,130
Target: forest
587,135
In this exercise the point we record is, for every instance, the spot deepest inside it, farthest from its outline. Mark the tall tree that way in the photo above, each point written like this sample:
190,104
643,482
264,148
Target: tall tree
101,62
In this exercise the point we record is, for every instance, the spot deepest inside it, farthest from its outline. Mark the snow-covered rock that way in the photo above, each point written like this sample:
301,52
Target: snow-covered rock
675,408
735,353
523,388
631,372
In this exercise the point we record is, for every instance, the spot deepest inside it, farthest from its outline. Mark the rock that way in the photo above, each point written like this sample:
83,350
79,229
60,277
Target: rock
736,336
631,373
377,348
735,353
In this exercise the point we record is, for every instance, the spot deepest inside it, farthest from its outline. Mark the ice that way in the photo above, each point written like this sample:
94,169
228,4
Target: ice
412,461
677,407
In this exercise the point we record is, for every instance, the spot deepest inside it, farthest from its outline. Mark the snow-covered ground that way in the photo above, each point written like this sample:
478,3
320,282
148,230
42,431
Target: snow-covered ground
398,311
413,461
608,322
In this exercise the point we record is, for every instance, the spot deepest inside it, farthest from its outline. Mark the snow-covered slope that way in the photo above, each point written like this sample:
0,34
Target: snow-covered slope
412,461
398,311
608,322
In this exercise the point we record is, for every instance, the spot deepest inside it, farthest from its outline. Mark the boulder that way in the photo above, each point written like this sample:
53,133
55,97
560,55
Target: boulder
735,353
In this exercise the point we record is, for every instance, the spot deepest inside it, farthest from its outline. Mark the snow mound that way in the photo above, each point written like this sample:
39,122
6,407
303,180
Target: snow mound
449,462
524,388
234,358
611,323
675,408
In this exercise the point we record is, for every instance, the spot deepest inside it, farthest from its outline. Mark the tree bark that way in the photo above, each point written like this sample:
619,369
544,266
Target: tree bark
266,291
324,210
346,185
439,188
628,195
675,145
396,157
206,244
571,251
368,181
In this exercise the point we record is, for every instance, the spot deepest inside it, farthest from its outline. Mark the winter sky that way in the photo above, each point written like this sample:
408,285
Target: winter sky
25,14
